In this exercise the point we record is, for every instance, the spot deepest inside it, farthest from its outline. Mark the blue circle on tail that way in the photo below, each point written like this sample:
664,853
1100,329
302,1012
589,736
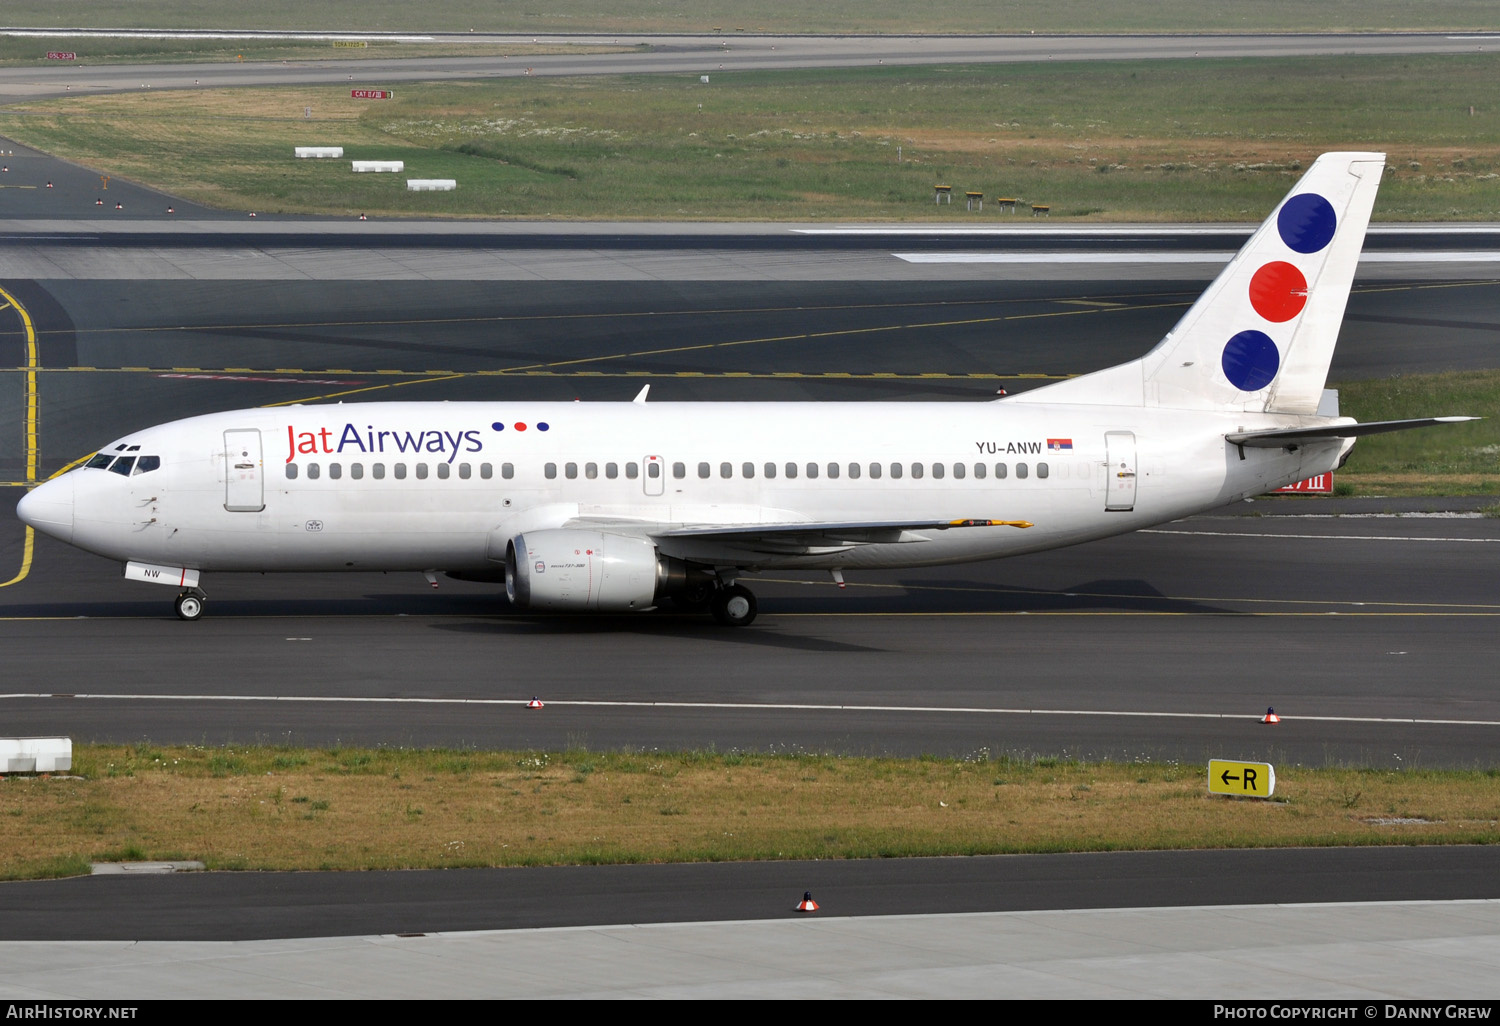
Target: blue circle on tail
1251,360
1307,222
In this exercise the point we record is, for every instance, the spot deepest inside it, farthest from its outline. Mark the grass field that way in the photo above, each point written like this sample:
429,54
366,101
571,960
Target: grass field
1456,459
1127,141
275,808
963,16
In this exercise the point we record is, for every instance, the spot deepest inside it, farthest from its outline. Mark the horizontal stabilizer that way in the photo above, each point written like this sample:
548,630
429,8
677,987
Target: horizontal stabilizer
1276,438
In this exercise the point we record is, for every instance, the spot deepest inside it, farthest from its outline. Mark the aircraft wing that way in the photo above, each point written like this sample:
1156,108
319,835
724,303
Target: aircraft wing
736,541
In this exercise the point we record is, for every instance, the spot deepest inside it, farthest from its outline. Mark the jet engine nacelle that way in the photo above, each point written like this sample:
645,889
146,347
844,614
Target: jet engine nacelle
582,570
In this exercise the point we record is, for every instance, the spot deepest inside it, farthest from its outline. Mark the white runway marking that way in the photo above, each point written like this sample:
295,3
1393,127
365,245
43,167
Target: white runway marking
1132,231
905,710
1478,256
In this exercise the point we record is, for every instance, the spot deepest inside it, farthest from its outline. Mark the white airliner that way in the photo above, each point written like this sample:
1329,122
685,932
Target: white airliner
618,506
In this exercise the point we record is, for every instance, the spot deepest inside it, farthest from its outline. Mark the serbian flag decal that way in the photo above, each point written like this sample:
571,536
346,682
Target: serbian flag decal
1059,445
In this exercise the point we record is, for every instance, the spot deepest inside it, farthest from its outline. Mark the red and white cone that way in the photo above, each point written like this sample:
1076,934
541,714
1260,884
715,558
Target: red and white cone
807,904
535,703
362,217
1270,716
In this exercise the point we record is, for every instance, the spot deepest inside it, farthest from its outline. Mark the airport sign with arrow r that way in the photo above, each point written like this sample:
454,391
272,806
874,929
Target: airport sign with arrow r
1247,779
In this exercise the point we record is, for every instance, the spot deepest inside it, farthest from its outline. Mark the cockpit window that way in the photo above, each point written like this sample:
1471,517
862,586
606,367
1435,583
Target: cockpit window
122,465
100,461
146,464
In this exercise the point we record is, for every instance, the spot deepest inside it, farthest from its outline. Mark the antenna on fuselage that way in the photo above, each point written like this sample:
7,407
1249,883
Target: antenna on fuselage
641,395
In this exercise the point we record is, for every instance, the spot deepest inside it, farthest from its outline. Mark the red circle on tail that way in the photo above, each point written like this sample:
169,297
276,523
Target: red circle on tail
1278,291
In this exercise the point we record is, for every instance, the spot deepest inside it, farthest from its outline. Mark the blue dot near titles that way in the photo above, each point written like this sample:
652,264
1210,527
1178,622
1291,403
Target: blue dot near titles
498,426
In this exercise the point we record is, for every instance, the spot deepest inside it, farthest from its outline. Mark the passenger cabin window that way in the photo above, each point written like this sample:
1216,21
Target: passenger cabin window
421,471
1020,470
854,470
812,470
1000,471
570,471
704,470
1042,470
833,470
747,470
335,471
916,470
550,471
875,469
959,470
632,471
726,470
591,470
357,471
291,471
895,470
313,472
937,470
611,470
679,470
399,470
464,471
443,470
979,470
377,471
770,469
791,470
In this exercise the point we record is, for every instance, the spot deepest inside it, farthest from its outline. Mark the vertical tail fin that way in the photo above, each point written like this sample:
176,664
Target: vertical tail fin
1262,335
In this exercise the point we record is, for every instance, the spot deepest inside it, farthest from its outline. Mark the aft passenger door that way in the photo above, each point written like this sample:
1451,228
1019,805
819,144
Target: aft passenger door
244,472
1119,478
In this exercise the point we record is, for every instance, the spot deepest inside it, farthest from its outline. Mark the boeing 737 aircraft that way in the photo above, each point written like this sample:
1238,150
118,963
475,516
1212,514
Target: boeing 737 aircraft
618,506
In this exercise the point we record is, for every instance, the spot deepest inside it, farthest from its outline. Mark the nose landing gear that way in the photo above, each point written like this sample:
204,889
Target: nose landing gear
189,603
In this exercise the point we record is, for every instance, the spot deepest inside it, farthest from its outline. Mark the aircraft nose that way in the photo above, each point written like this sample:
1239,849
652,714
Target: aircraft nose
49,508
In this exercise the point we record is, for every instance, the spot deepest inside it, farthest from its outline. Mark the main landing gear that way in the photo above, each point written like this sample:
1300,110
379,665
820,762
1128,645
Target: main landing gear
189,604
733,606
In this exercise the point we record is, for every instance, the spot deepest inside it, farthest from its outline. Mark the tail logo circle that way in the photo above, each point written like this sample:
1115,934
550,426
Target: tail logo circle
1278,291
1306,222
1251,360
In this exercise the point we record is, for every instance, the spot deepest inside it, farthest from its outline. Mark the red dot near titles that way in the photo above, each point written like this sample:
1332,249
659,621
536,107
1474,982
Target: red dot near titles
520,426
1278,291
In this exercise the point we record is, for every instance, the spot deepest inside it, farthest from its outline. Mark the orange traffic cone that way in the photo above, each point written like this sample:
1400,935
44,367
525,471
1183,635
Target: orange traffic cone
1270,716
807,904
535,703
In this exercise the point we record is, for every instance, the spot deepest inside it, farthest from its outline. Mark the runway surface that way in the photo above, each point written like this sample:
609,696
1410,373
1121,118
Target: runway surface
1369,633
